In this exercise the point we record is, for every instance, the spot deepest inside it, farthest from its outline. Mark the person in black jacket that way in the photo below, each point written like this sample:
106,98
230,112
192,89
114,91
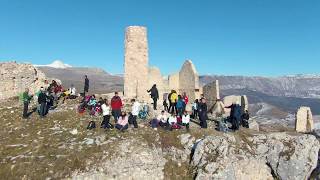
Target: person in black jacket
203,109
42,100
154,95
86,85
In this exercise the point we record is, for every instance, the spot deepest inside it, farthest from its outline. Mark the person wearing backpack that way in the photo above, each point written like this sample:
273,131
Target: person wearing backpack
154,93
26,100
106,115
122,123
42,101
116,105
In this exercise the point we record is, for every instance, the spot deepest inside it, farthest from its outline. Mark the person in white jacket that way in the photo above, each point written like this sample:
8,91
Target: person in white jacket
186,119
135,109
106,115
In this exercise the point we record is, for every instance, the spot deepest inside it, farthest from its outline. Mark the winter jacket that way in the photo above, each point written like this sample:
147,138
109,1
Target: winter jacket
185,119
105,109
135,109
42,98
154,93
180,103
116,103
26,97
122,120
174,97
185,99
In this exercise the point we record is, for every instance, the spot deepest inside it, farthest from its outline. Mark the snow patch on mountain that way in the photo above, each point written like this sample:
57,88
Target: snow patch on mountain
56,64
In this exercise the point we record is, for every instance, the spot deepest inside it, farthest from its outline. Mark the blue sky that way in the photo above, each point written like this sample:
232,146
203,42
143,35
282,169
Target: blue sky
229,37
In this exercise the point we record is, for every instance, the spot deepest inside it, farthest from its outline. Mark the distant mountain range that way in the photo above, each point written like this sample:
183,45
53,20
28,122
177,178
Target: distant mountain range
303,86
281,95
100,81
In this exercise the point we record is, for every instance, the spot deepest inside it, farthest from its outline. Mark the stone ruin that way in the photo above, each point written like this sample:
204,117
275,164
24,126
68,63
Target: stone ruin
16,77
216,106
304,121
139,77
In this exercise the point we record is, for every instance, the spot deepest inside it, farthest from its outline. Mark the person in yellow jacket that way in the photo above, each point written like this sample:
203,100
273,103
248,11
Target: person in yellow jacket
173,98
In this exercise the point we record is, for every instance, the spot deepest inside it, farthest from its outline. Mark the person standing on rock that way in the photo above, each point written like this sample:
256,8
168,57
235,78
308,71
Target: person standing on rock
26,100
116,105
185,100
86,85
203,113
42,100
154,93
135,109
173,100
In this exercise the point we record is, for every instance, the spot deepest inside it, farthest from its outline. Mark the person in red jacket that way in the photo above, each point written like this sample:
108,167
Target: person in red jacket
116,105
185,99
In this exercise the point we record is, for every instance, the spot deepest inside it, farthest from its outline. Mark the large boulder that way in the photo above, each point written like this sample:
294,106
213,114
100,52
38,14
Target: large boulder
304,120
132,159
276,155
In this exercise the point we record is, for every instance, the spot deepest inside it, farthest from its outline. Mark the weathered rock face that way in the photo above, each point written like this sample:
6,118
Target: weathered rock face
133,160
304,121
276,155
211,93
136,63
173,82
16,77
189,80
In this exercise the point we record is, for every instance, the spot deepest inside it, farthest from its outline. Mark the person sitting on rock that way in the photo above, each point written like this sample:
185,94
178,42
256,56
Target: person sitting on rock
186,119
122,123
173,123
162,119
73,92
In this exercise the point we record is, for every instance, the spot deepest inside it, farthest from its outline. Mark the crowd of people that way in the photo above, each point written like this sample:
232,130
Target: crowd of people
46,98
175,114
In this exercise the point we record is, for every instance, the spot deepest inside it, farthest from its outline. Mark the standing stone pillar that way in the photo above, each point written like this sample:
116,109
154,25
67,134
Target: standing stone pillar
136,63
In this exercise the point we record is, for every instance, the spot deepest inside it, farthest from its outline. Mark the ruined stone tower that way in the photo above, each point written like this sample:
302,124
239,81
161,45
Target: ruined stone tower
136,63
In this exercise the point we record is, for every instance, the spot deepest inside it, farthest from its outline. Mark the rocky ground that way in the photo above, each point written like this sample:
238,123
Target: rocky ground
60,147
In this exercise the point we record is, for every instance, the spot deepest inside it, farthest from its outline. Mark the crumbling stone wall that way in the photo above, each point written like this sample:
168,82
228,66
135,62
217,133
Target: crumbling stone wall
14,78
304,120
174,82
211,93
136,70
155,77
189,80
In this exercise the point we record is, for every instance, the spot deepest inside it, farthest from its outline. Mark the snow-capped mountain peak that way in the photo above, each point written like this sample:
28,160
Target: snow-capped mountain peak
57,64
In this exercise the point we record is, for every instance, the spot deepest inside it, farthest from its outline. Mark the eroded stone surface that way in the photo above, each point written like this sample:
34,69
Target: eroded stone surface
304,120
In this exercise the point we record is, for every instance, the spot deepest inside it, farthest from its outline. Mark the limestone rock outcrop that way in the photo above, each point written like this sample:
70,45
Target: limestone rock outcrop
16,77
304,120
132,159
263,156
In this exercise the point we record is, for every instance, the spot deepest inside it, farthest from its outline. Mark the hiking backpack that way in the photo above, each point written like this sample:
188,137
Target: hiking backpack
91,125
